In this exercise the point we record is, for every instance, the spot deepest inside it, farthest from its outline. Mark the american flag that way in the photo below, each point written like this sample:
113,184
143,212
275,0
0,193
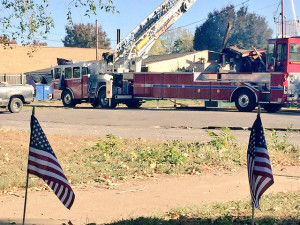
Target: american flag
259,166
43,163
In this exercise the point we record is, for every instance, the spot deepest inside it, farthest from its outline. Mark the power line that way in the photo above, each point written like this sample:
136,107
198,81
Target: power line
225,10
198,21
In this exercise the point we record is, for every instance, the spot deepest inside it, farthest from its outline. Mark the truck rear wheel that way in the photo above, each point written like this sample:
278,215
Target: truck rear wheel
104,102
245,101
15,105
133,104
68,99
272,108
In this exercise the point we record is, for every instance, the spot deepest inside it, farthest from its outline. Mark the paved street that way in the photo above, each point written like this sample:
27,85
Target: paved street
151,123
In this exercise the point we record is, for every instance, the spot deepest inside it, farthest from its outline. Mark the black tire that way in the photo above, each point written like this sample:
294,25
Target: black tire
133,104
67,99
95,104
15,105
272,108
245,101
104,102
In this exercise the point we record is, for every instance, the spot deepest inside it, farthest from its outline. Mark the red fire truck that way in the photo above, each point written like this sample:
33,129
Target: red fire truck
108,84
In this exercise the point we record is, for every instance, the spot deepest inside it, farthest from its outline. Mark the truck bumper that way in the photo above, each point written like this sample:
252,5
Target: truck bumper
28,100
3,102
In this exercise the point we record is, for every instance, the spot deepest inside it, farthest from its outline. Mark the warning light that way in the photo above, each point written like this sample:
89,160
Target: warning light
108,92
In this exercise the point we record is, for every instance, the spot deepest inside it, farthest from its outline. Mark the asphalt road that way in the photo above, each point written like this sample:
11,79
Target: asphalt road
151,123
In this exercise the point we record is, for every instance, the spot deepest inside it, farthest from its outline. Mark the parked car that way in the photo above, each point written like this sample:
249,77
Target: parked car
14,96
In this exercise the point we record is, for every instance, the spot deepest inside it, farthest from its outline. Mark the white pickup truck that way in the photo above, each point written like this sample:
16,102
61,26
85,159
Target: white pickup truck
14,96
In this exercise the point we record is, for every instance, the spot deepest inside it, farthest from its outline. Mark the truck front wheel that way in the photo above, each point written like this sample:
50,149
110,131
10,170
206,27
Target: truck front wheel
104,102
245,101
272,108
95,104
15,105
68,99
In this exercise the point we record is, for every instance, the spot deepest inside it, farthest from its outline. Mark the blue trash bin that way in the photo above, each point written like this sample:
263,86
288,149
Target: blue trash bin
43,92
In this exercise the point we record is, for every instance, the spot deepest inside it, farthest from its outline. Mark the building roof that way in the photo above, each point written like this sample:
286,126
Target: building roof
243,52
159,58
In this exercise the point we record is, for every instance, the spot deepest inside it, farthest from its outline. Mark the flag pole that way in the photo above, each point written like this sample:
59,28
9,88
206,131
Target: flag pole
258,113
252,213
25,201
27,178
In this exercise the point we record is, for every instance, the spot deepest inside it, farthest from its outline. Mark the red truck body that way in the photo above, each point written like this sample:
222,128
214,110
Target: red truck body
208,86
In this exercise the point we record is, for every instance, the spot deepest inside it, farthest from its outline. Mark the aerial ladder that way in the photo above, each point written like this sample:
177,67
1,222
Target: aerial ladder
130,52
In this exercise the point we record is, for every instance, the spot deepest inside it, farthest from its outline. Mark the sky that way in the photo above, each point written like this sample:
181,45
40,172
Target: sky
132,12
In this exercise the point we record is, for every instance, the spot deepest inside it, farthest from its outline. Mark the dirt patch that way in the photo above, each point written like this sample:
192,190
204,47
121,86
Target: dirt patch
143,198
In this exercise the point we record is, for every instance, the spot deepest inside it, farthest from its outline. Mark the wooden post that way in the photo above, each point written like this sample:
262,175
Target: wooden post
27,178
97,39
21,78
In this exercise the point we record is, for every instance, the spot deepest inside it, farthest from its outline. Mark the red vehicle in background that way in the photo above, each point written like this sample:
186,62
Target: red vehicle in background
108,83
278,86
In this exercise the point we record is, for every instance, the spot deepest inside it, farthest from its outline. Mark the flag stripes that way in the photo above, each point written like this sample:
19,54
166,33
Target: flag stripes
43,163
258,163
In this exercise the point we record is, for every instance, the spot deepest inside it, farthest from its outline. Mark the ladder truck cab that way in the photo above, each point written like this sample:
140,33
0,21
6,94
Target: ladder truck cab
283,57
79,82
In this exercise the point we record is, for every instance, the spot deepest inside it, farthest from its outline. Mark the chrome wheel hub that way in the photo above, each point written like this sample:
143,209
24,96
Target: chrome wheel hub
244,100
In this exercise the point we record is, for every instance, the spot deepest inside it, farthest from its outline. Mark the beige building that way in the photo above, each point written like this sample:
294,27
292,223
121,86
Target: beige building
191,61
16,59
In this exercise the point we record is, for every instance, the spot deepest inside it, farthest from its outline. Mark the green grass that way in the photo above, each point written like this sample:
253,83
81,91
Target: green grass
112,159
279,209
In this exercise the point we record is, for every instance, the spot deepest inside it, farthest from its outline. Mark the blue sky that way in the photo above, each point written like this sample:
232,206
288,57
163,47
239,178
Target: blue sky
132,12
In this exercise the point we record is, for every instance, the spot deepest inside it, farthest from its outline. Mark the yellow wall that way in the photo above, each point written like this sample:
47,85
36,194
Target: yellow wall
188,61
15,59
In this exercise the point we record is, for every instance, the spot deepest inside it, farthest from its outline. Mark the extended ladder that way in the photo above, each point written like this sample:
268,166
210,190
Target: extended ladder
139,41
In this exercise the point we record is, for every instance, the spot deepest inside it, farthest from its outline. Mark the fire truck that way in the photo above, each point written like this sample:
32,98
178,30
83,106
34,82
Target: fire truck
107,83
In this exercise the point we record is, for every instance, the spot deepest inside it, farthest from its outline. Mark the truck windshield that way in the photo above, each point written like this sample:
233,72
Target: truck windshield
281,52
57,73
270,52
294,52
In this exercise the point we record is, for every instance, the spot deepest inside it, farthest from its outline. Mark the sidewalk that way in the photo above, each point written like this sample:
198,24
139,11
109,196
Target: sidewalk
140,198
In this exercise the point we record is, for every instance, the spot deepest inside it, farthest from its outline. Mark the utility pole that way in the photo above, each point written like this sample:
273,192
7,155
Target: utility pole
282,19
118,36
97,39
